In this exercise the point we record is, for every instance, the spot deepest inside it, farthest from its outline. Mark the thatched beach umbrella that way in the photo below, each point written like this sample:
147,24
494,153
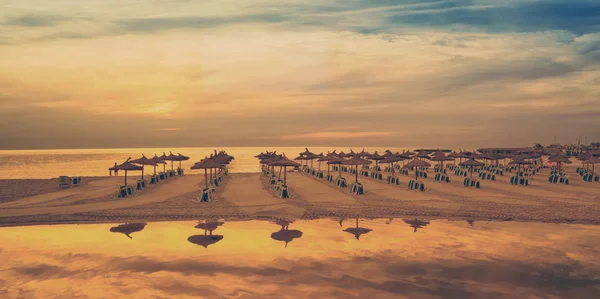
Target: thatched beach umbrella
336,161
143,161
356,160
157,160
164,158
559,159
182,158
391,159
284,162
592,161
375,157
471,163
416,163
207,164
128,166
520,160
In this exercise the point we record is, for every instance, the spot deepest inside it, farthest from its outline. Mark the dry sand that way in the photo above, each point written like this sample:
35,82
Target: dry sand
250,196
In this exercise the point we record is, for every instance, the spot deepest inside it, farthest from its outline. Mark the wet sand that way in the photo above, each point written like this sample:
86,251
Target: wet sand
249,196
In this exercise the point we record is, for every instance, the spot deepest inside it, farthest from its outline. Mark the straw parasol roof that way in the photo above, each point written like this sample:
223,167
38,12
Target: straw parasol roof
416,162
143,161
585,156
284,161
207,164
471,163
335,160
182,157
423,155
392,159
592,160
157,160
560,159
356,160
128,166
520,162
305,153
375,156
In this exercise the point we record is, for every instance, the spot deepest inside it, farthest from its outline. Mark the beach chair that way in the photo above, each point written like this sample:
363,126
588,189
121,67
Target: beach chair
341,182
179,171
330,178
563,180
141,184
76,181
154,179
319,174
283,192
416,185
64,182
357,188
122,192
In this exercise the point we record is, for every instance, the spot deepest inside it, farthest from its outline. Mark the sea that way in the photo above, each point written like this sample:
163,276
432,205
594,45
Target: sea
46,164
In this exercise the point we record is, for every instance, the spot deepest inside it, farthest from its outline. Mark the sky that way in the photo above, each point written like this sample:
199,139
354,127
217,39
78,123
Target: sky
398,73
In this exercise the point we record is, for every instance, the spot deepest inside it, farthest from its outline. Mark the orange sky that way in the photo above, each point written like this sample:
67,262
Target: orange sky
243,73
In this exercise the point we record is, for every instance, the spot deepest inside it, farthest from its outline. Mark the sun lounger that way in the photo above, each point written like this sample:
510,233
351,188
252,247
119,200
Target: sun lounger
416,185
341,182
64,182
357,188
125,191
141,184
469,182
330,178
393,180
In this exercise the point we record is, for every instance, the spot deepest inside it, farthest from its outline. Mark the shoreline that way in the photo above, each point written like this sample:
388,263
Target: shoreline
246,196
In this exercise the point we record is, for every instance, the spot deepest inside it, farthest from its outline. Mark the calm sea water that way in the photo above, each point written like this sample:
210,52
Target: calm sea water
39,164
322,259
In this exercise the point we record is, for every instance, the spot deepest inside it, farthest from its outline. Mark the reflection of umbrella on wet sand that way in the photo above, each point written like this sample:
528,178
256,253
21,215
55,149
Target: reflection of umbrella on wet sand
358,231
416,224
128,228
206,239
285,234
209,226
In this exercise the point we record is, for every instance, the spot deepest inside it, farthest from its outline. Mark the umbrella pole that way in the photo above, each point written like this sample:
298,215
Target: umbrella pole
340,169
142,172
357,173
279,177
206,177
211,176
154,169
125,177
284,176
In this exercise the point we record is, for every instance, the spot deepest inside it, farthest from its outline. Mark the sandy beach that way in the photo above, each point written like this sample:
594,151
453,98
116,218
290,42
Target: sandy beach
249,196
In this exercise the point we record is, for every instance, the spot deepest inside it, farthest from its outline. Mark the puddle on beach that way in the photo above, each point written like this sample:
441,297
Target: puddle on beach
402,258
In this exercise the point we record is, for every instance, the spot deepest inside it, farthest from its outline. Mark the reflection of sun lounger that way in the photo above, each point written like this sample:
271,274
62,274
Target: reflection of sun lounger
64,182
76,181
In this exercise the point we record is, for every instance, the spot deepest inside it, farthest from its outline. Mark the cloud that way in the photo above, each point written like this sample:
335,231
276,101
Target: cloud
335,135
33,20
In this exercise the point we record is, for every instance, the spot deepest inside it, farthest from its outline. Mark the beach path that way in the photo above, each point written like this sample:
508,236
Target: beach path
95,189
246,192
164,191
